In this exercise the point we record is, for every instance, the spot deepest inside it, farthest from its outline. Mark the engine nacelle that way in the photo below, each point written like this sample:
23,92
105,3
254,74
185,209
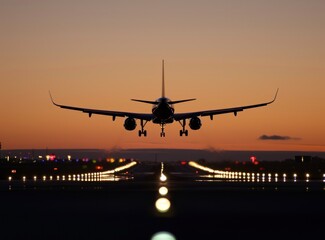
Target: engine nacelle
195,123
130,124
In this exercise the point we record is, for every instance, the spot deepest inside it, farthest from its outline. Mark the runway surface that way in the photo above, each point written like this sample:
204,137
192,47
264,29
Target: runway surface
201,207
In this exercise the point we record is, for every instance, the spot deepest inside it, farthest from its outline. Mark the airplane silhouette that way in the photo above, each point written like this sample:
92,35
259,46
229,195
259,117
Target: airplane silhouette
163,112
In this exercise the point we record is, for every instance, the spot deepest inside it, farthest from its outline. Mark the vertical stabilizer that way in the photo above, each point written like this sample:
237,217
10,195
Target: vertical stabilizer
163,80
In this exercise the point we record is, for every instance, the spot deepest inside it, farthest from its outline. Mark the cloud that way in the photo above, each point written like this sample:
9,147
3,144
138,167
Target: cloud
276,137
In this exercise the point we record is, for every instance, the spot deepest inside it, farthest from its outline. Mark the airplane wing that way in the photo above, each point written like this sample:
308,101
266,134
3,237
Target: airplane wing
211,113
143,116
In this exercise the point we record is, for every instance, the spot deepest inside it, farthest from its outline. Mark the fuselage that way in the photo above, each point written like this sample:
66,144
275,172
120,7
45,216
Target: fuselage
163,111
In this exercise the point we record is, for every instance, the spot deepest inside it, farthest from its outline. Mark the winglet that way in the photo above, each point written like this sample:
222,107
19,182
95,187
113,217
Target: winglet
52,99
276,94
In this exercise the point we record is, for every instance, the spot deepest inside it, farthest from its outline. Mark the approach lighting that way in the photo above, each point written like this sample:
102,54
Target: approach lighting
162,205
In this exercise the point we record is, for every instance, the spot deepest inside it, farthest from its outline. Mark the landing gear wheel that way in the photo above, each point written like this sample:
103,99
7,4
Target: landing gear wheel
181,132
162,134
143,132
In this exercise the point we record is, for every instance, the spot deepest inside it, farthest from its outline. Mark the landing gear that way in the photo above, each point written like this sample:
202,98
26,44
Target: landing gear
142,131
162,134
183,130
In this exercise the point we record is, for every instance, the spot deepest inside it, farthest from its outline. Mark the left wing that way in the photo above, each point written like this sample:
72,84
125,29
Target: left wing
143,116
181,116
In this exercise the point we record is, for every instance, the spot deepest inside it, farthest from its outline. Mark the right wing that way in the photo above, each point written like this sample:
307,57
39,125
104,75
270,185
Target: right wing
143,116
211,113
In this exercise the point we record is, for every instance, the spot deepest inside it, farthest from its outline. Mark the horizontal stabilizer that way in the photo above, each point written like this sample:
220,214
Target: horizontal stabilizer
144,101
180,101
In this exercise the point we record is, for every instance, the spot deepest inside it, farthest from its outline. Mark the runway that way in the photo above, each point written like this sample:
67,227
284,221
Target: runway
196,206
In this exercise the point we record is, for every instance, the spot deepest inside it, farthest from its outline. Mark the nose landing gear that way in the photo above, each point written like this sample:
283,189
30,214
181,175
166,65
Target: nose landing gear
162,134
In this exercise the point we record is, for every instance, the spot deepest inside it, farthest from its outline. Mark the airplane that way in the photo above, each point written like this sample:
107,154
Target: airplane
163,112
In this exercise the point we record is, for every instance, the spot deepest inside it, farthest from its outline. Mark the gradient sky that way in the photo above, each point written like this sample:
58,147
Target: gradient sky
99,54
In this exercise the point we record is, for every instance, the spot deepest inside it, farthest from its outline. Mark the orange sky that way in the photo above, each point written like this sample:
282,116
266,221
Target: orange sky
99,54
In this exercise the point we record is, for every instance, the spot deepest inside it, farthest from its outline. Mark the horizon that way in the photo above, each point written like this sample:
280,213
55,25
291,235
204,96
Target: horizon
164,154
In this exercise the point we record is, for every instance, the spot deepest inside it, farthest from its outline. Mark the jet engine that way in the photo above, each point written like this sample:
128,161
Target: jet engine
195,123
130,124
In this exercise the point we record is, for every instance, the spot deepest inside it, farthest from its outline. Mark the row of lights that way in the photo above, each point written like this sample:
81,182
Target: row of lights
245,175
163,205
94,176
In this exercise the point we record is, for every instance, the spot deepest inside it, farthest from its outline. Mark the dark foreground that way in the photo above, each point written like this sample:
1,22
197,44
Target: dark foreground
126,209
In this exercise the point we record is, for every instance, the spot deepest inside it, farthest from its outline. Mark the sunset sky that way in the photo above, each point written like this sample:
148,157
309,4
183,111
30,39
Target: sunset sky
100,54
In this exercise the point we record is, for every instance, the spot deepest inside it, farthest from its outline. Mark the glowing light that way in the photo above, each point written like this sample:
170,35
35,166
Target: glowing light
24,178
162,205
118,169
69,157
9,178
163,236
51,157
44,178
35,178
163,191
163,177
294,177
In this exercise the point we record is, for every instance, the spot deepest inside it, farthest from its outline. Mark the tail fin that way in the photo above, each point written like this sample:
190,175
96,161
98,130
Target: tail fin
163,80
163,91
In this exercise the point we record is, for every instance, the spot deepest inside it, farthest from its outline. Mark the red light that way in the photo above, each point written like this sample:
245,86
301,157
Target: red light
13,171
253,159
183,162
55,169
99,167
52,157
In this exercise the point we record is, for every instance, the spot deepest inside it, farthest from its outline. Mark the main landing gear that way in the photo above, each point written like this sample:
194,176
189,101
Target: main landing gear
162,134
142,131
183,130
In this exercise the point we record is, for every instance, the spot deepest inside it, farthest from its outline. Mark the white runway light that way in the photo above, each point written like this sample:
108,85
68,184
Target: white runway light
163,191
163,236
163,177
162,205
